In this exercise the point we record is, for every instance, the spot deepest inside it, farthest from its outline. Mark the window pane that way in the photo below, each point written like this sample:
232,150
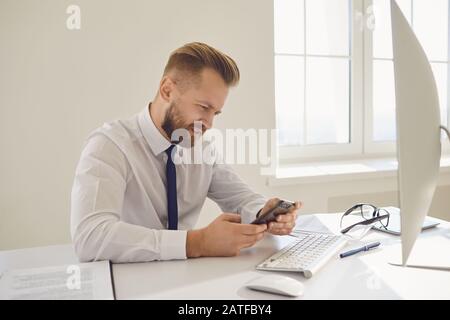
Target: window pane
431,27
430,22
289,26
383,101
327,100
384,98
289,97
327,27
440,71
382,34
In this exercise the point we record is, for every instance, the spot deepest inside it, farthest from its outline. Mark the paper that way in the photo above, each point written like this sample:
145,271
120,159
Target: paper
85,281
309,223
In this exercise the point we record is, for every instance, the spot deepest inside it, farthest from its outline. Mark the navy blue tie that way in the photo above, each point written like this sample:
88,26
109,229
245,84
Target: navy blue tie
172,205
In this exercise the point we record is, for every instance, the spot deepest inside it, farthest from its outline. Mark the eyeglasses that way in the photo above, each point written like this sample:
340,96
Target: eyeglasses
369,214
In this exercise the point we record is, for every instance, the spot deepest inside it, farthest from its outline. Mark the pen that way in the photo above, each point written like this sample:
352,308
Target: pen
355,251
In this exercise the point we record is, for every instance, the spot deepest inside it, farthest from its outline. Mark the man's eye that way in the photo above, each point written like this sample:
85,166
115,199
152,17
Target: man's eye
203,107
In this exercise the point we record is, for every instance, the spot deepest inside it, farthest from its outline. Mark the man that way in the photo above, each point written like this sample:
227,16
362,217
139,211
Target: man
132,203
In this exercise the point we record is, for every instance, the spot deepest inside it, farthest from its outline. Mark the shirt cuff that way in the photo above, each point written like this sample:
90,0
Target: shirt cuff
173,244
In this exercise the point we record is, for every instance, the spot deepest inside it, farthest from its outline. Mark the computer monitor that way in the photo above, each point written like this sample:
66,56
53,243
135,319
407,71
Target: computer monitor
418,129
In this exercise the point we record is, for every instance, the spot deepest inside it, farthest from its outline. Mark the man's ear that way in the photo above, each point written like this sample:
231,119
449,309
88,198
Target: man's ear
166,88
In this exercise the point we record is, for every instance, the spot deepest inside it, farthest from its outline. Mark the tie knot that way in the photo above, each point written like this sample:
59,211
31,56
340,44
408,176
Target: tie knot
169,150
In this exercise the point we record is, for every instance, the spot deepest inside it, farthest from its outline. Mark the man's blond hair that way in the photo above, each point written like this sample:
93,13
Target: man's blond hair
193,57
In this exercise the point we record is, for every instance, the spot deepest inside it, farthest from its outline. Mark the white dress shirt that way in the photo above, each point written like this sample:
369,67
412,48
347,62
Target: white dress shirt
119,201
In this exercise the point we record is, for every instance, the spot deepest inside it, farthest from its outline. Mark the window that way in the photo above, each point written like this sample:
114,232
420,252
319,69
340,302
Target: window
430,21
334,78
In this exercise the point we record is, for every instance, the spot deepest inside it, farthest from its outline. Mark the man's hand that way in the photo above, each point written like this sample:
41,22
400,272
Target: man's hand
224,237
285,223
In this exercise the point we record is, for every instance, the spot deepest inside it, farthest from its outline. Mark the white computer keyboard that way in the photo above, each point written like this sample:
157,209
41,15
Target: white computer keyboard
307,254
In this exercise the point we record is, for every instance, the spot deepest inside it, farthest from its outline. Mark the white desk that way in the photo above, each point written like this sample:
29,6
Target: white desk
363,276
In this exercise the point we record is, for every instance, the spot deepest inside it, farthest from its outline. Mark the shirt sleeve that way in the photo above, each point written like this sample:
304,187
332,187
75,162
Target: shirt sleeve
233,195
96,204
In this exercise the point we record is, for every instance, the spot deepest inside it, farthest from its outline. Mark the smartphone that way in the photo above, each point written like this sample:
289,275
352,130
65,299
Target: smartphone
282,207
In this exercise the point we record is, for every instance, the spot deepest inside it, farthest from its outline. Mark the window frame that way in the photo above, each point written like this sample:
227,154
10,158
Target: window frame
361,144
386,148
370,147
332,151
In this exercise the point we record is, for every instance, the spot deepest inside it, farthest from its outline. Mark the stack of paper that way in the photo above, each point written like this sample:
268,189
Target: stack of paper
84,281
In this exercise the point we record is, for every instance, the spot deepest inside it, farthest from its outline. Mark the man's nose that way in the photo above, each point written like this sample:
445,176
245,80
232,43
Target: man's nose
208,122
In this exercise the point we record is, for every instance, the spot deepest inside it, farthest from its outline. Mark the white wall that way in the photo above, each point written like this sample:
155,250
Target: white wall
57,85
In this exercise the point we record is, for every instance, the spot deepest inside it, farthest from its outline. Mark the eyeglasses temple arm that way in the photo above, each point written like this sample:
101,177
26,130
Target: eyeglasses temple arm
446,131
366,222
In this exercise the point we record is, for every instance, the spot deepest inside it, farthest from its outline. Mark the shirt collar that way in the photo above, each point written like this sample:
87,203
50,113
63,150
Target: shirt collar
157,142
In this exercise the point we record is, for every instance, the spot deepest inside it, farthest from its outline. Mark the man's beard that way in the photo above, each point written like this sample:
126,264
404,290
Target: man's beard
173,121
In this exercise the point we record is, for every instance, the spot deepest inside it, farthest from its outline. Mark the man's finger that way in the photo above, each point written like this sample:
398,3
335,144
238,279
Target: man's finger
248,241
284,225
297,205
253,238
247,245
270,204
280,232
251,229
231,217
287,217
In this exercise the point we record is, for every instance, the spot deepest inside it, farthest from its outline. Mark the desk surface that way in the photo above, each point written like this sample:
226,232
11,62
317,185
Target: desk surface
364,276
